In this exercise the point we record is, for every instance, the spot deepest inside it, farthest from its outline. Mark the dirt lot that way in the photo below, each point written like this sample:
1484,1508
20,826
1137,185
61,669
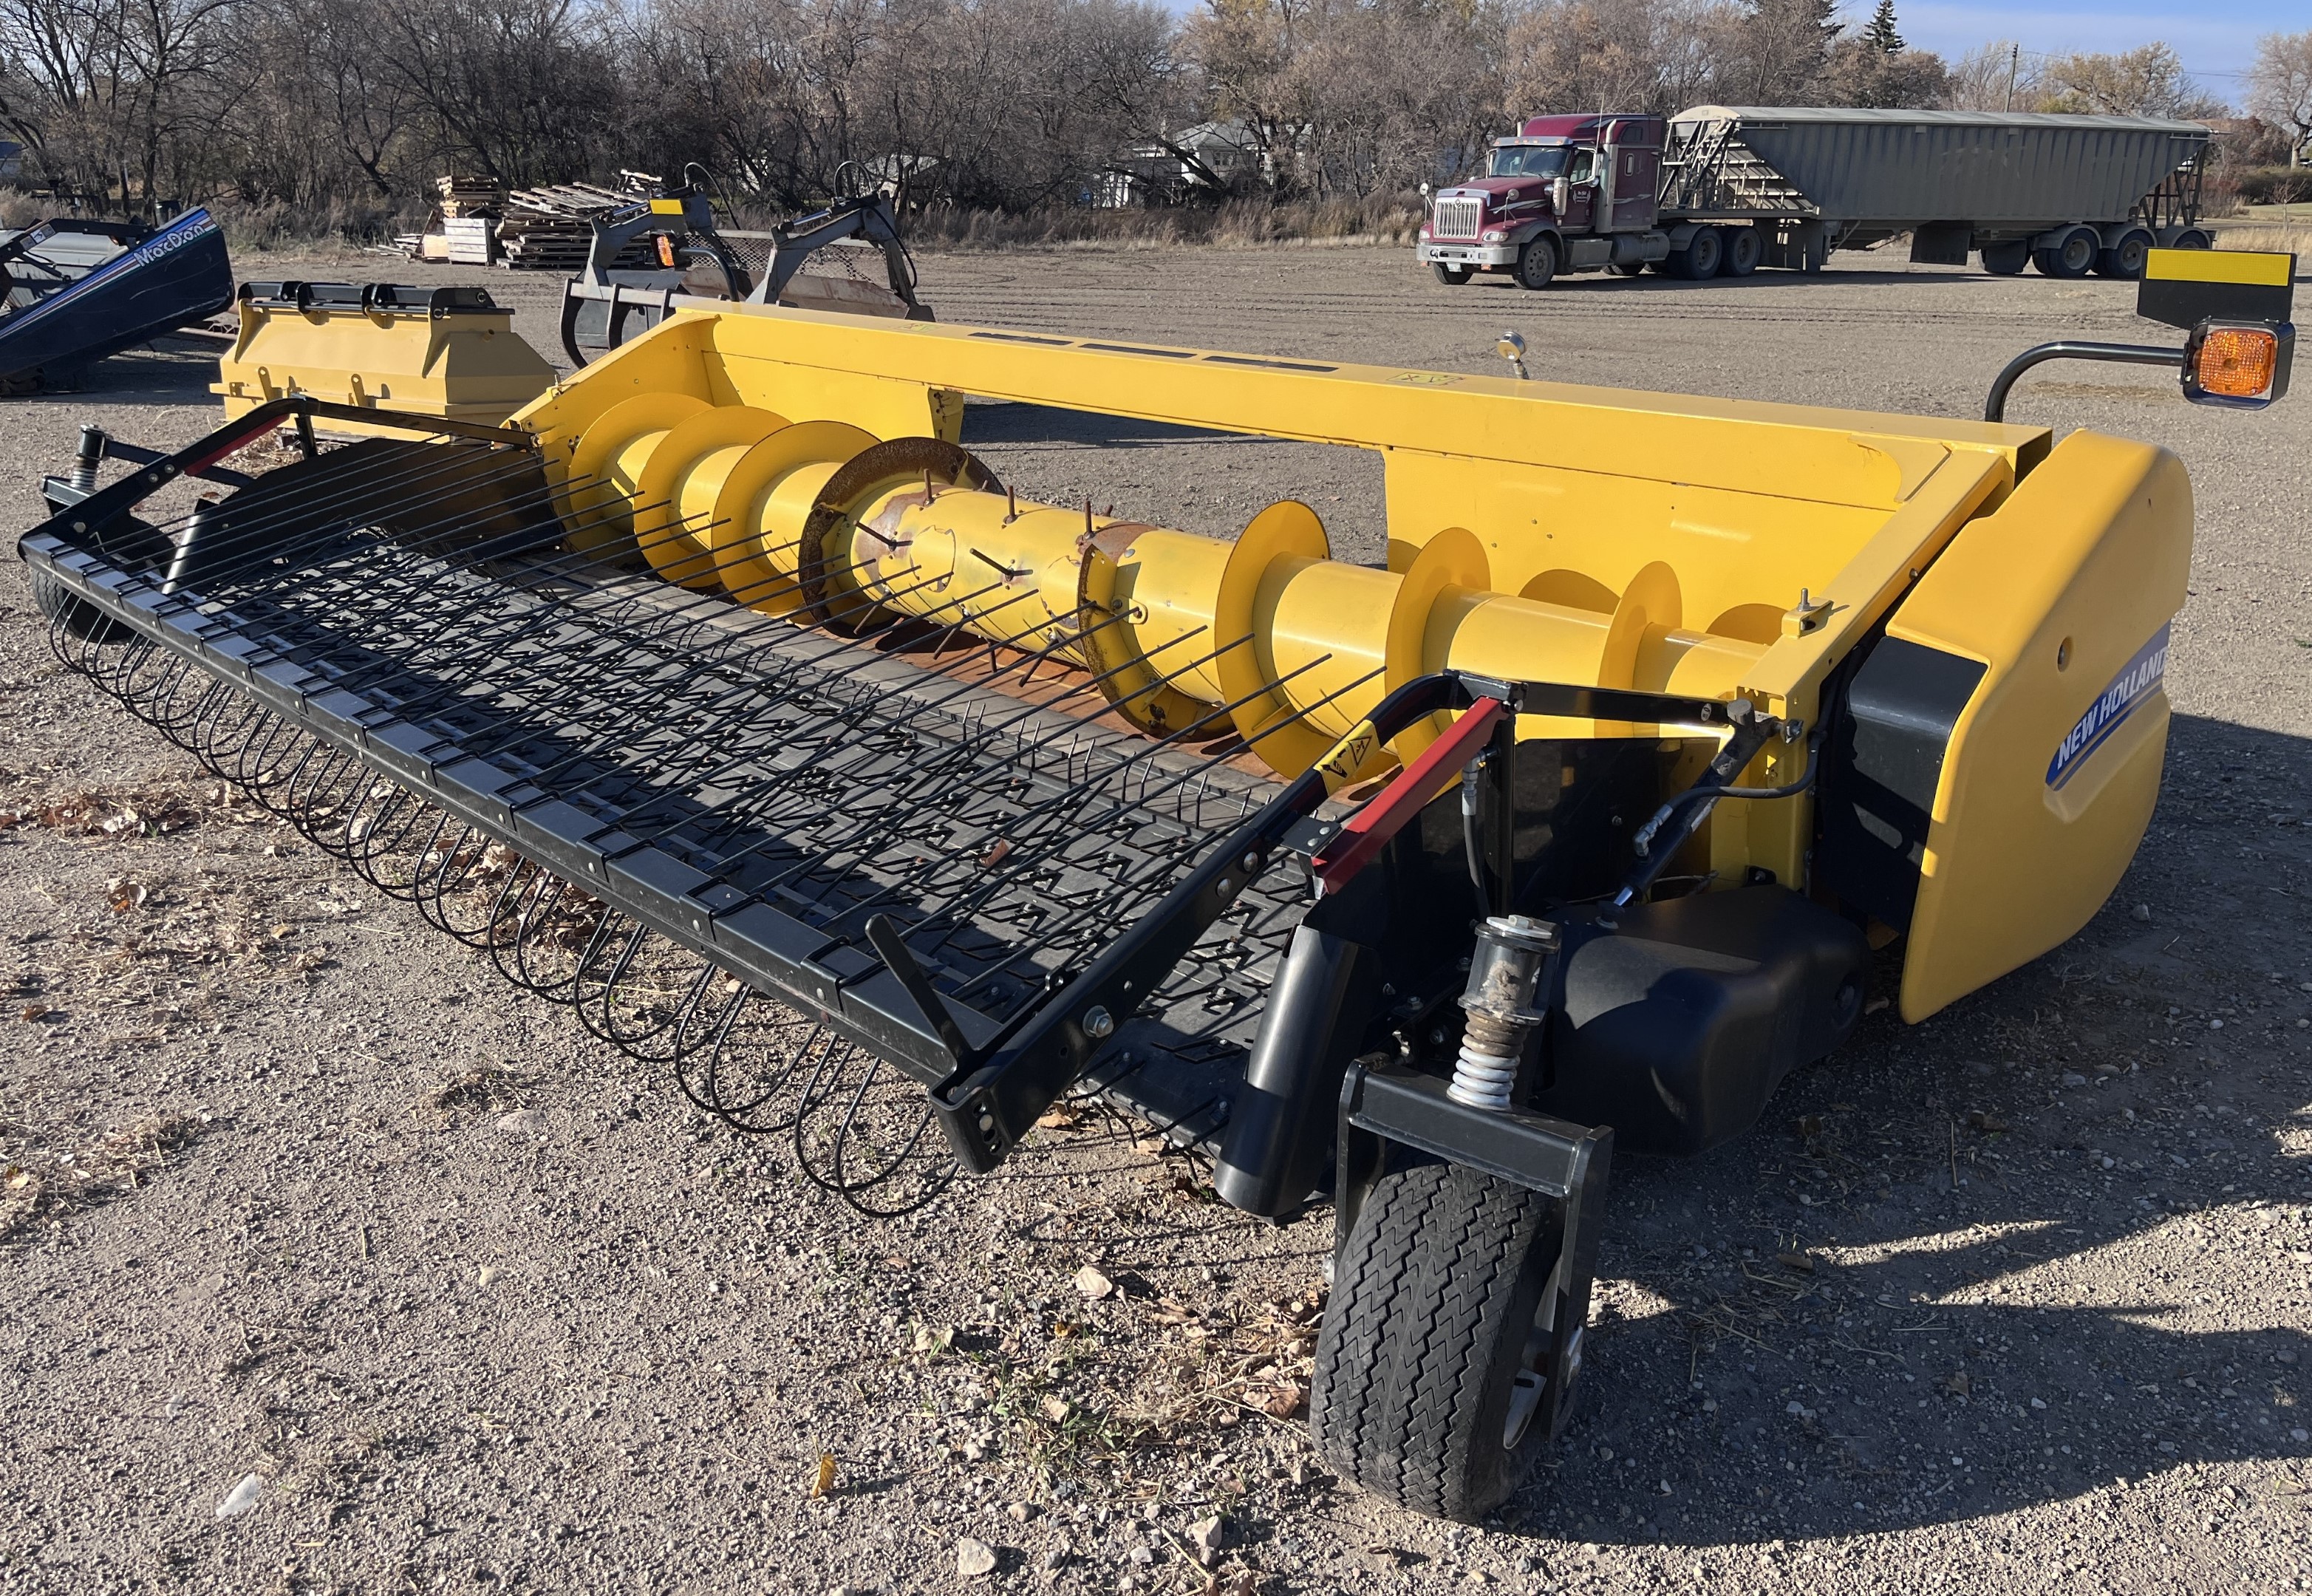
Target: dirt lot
297,1190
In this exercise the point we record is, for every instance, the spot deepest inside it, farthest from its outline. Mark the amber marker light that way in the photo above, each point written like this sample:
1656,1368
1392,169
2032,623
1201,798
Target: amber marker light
2240,363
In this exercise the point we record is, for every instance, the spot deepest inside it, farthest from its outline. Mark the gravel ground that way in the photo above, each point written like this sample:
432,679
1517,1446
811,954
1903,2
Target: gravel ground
297,1193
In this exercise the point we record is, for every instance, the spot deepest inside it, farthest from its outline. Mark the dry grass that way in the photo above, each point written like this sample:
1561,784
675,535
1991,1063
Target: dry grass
1240,223
38,1179
488,1090
2293,237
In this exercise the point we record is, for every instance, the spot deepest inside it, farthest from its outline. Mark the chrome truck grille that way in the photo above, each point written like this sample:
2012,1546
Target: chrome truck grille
1457,216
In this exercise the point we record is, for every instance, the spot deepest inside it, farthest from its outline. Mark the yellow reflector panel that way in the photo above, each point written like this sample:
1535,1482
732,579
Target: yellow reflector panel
666,207
2219,265
2239,362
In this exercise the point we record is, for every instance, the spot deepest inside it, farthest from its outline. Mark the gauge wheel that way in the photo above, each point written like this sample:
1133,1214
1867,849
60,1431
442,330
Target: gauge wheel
1452,276
1431,1363
1536,263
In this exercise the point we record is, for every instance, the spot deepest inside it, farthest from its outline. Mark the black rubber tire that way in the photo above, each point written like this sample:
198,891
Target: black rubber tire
1452,276
79,618
1424,1336
1744,249
2126,260
2192,238
1536,263
1701,257
2073,261
2006,260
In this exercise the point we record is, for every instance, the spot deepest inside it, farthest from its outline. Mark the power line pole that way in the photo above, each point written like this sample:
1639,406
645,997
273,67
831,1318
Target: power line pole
2014,59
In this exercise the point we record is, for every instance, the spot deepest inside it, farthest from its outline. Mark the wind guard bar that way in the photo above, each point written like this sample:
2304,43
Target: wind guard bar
996,1093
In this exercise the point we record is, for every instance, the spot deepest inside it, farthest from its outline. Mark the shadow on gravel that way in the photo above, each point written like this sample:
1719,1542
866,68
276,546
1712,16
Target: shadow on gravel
159,378
1999,1258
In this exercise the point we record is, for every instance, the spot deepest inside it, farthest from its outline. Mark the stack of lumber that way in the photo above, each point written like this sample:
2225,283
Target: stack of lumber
550,229
468,197
459,229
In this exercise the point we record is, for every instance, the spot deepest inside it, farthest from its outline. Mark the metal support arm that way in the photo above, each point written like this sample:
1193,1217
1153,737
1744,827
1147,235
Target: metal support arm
1994,408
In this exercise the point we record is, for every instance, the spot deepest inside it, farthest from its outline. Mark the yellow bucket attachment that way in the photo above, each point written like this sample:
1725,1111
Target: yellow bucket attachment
447,352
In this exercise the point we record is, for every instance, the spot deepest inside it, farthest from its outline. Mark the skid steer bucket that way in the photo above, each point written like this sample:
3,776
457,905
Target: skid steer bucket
445,352
78,291
725,698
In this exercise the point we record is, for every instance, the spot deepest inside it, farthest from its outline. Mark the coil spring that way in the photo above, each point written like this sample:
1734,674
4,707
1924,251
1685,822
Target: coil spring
1482,1080
858,1127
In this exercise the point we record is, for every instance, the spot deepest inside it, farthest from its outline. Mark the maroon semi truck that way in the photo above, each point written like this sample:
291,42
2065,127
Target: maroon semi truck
1727,189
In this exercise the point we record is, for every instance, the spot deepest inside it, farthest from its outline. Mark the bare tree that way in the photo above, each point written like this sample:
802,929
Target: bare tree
2146,81
2280,88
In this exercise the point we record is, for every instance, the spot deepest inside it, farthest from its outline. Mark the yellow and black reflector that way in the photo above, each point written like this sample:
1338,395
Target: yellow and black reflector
2184,288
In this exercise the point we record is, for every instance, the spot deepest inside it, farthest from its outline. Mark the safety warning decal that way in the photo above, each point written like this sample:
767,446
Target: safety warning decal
2137,680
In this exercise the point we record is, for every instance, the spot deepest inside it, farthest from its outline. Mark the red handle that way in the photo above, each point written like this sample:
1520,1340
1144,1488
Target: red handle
1366,832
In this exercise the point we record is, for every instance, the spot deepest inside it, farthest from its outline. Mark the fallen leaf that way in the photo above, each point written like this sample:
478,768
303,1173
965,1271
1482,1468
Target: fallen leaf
1988,1124
1057,1409
1958,1384
1092,1284
1799,1261
1283,1402
930,1342
822,1483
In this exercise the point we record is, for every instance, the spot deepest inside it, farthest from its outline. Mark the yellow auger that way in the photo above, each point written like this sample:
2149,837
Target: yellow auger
723,695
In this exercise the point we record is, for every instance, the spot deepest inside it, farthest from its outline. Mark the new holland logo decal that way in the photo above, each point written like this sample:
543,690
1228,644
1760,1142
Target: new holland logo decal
2137,680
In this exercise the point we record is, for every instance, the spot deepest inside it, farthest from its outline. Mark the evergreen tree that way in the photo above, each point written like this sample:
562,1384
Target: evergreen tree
1880,34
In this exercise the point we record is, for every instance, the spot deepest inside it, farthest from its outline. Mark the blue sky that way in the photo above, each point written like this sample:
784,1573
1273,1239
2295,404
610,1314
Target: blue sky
2217,41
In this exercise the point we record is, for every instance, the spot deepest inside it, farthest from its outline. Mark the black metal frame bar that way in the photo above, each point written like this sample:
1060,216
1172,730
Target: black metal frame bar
995,1094
1994,408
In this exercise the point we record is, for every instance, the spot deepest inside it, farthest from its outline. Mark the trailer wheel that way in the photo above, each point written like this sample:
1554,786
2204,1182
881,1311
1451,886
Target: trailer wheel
2005,261
2193,238
1701,257
2071,257
2125,258
1452,276
1744,249
1536,263
1426,1389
